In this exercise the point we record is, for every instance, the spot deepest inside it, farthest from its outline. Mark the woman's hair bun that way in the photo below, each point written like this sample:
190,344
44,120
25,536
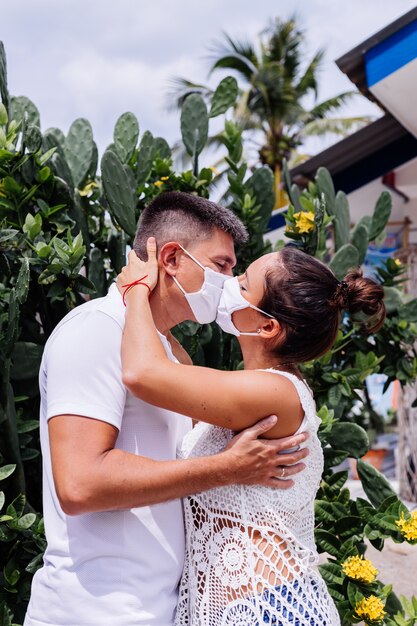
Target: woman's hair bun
361,295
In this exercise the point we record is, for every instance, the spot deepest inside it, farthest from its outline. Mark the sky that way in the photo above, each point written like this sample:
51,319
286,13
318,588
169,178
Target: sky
98,59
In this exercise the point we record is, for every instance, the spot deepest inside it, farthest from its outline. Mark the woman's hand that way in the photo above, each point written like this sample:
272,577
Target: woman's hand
136,269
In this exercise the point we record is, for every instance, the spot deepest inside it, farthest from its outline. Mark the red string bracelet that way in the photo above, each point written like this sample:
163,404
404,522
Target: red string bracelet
139,281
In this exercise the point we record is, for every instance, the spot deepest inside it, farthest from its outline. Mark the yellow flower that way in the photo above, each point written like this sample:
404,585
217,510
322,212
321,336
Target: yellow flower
408,527
164,178
159,183
304,220
358,568
88,189
397,262
370,609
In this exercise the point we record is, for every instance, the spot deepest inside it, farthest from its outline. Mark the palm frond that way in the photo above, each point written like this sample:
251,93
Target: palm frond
308,80
332,104
341,126
180,89
235,55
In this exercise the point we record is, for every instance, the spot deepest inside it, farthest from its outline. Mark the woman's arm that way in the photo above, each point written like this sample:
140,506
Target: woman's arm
235,400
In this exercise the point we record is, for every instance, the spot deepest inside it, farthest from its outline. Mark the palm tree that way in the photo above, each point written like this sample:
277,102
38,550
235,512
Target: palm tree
275,83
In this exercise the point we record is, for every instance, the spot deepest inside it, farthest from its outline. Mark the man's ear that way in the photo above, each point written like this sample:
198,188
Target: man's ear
169,256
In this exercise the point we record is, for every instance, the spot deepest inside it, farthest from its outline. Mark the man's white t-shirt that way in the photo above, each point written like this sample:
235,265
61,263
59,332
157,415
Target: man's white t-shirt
116,568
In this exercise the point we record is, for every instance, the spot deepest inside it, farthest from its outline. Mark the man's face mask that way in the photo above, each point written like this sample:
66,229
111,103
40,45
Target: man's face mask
232,300
204,302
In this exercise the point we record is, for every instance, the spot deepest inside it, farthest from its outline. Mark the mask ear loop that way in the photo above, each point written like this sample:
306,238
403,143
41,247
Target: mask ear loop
192,257
195,261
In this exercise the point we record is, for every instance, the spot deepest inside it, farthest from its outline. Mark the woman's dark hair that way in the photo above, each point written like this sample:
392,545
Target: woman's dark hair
307,299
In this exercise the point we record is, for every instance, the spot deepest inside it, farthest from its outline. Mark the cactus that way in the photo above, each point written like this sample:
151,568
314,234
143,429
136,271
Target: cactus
345,258
341,220
118,192
376,486
359,239
381,215
92,172
145,157
22,108
79,150
97,273
350,438
224,97
261,184
4,93
161,148
325,185
194,126
60,165
125,135
54,138
116,245
32,138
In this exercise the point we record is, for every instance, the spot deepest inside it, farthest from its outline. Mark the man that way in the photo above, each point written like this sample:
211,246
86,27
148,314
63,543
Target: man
112,486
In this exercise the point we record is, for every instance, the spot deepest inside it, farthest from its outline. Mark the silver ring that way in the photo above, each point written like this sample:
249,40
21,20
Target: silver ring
282,472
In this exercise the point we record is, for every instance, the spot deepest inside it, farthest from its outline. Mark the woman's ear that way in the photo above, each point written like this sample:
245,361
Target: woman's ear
271,329
169,257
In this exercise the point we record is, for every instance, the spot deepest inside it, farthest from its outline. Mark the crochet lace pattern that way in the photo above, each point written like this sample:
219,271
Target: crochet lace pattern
250,552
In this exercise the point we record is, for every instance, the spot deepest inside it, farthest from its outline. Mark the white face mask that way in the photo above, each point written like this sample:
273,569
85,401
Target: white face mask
232,300
204,302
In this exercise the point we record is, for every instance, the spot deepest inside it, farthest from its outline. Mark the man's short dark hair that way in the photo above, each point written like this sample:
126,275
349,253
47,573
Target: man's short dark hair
183,217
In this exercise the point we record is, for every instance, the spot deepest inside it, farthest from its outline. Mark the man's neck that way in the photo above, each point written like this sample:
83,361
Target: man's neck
163,314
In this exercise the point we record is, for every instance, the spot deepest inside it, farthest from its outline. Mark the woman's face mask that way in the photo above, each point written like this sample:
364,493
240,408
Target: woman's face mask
232,300
204,302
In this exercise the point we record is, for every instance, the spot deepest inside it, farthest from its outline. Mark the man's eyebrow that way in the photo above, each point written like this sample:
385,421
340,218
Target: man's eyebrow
227,259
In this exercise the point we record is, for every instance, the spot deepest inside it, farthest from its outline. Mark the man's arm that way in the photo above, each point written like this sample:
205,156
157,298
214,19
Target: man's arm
91,475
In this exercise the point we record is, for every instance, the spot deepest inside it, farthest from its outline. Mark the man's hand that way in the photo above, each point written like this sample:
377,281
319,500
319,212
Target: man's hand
256,461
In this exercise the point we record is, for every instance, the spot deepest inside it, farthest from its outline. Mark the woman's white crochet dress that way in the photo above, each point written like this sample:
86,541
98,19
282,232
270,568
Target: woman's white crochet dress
250,553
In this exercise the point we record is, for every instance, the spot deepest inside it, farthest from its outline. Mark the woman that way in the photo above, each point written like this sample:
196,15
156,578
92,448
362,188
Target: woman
250,553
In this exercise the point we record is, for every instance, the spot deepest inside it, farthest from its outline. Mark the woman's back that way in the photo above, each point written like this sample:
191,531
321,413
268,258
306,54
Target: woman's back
251,555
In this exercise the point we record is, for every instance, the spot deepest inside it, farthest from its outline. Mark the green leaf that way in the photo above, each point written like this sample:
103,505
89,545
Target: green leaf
332,573
84,285
33,225
22,283
408,311
6,471
27,426
25,522
327,542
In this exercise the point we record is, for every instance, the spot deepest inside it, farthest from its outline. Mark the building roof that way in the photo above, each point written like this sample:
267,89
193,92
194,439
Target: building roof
353,62
363,156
